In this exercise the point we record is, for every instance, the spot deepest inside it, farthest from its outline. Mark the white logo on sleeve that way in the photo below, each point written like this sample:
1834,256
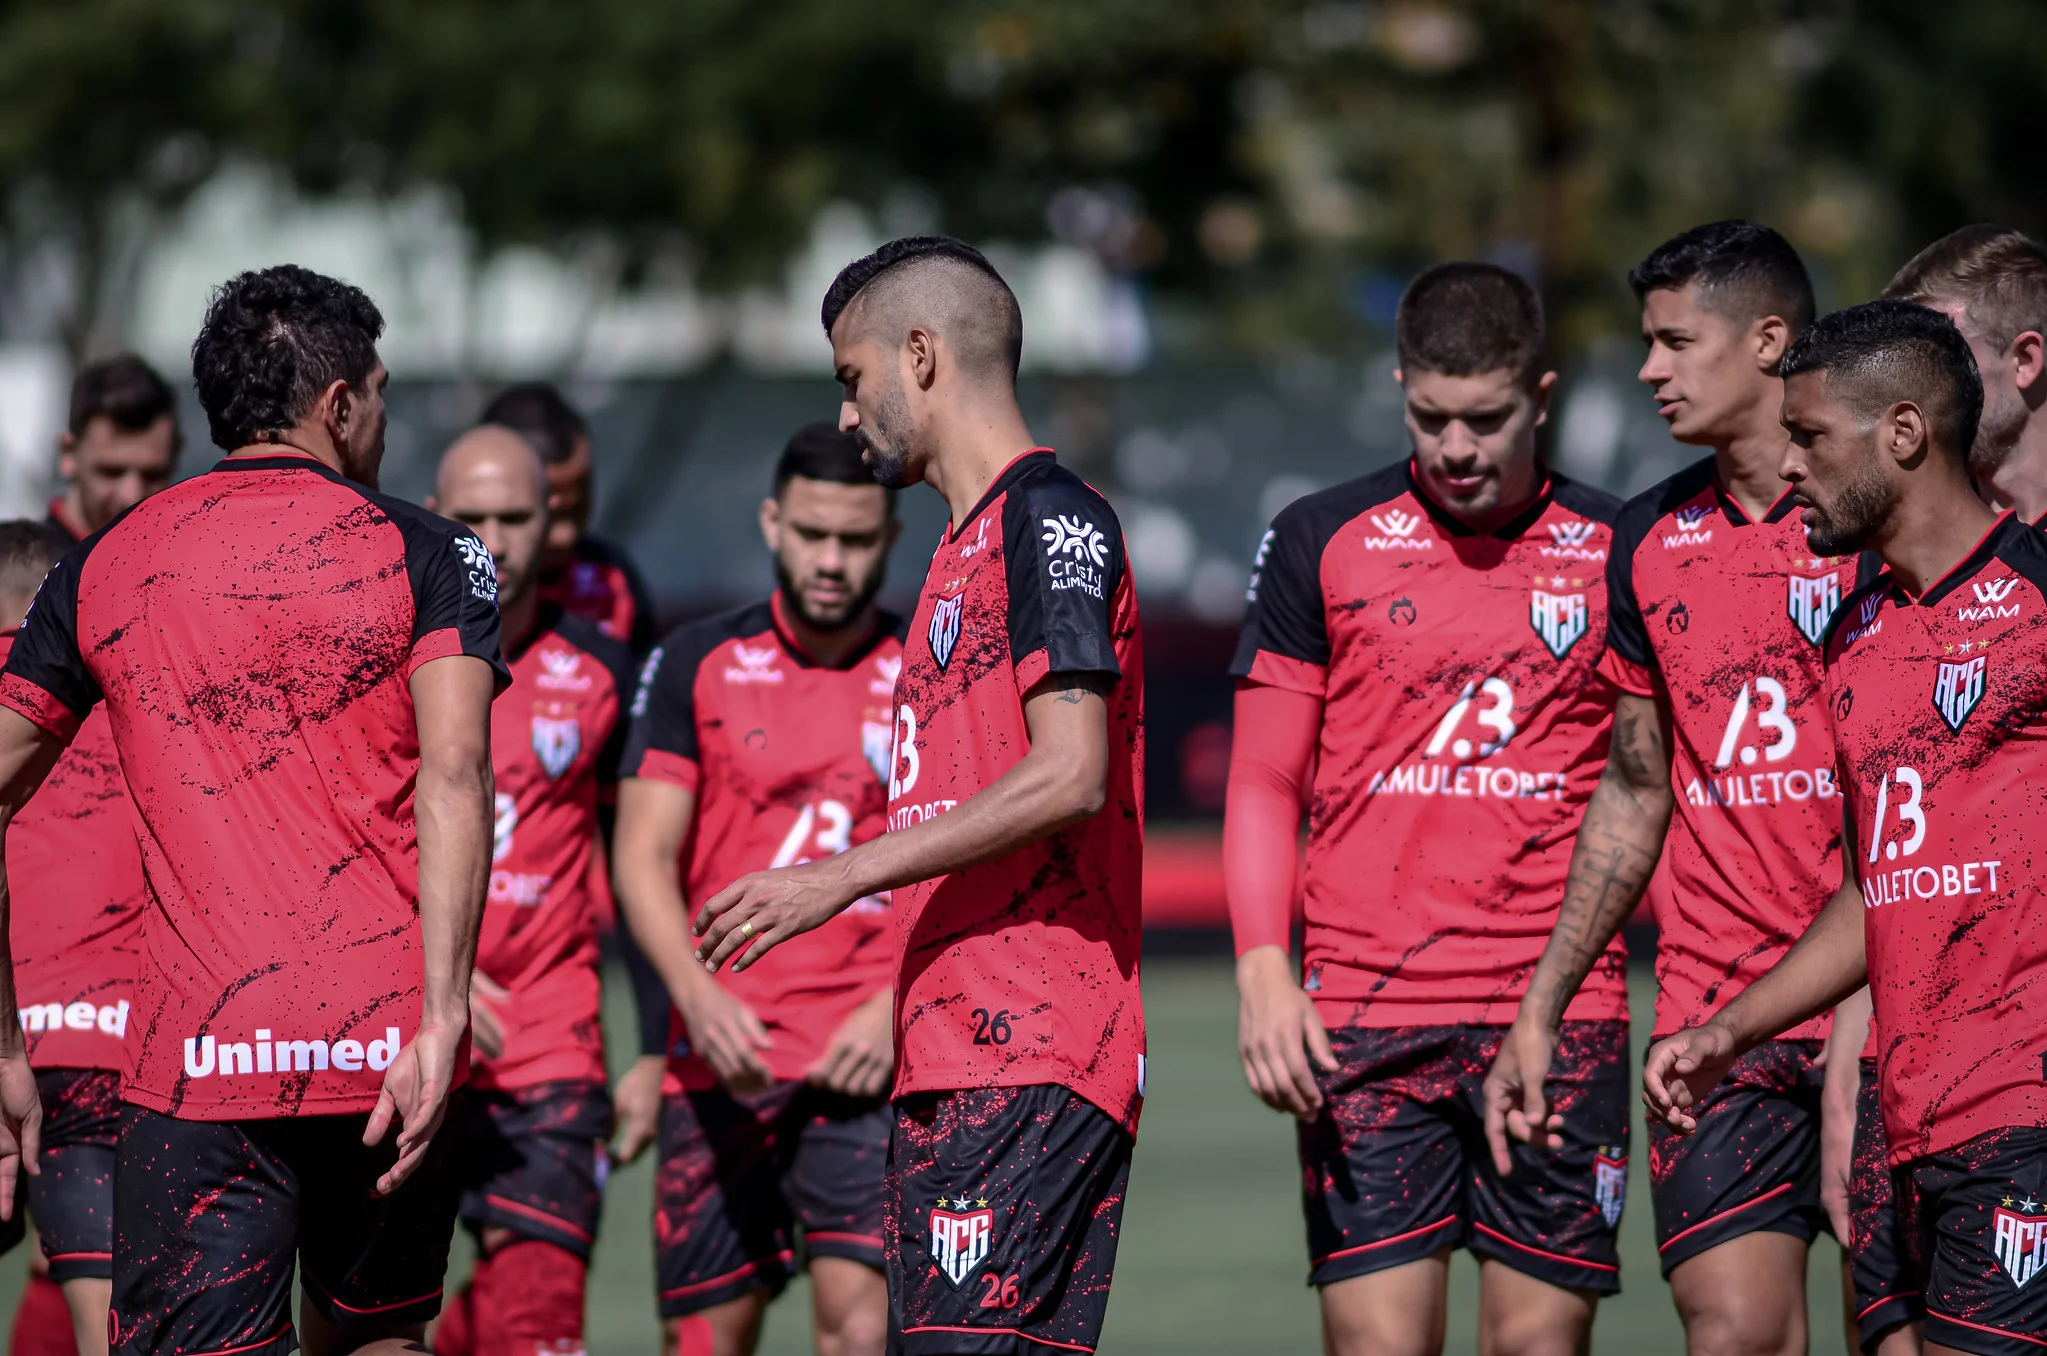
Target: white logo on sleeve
481,568
1075,554
1258,566
646,689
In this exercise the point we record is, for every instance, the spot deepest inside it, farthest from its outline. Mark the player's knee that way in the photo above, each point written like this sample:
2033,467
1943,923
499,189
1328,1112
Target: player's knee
728,1330
1737,1325
1355,1323
862,1331
535,1296
1533,1335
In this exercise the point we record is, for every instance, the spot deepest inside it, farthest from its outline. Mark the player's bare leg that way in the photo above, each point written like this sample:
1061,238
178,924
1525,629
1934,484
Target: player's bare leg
1519,1315
1400,1311
88,1297
849,1306
1907,1339
1744,1298
729,1329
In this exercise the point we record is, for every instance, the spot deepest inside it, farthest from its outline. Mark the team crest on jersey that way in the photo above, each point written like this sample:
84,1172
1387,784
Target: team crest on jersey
2018,1232
960,1238
1559,618
877,741
1610,1183
1811,604
1956,690
556,744
944,632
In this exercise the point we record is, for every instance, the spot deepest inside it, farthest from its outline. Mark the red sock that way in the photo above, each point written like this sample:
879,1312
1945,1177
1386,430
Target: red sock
694,1336
532,1303
42,1322
455,1333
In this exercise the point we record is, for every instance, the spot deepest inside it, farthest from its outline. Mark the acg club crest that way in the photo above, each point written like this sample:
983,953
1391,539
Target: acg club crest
945,628
1956,690
1811,603
1610,1184
2019,1238
960,1239
1559,618
556,744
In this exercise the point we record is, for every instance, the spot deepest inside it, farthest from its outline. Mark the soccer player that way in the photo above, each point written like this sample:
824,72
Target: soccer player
75,876
1433,632
762,739
298,671
583,573
1992,282
1015,836
1939,706
1721,766
531,1124
119,445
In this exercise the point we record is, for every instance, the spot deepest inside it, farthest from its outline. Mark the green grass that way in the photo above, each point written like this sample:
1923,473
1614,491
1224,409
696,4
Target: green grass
1212,1258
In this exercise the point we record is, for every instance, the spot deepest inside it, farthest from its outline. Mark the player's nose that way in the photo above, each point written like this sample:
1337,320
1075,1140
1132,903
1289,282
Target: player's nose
849,416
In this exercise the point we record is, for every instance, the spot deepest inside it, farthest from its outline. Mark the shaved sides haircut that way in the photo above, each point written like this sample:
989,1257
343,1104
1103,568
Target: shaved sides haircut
1996,274
936,283
1744,270
28,548
1875,355
1463,319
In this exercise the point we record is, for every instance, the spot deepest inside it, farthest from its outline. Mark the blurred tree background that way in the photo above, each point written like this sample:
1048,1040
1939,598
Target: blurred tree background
1268,170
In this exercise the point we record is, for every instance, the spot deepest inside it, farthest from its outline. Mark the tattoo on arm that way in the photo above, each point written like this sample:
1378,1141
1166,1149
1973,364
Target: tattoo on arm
1618,845
1072,696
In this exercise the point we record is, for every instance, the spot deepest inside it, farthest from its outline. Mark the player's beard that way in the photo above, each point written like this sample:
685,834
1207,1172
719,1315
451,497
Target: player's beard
887,442
1862,506
1997,432
856,606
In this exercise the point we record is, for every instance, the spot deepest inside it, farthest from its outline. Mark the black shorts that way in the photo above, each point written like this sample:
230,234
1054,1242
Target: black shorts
1004,1205
1973,1224
1887,1290
1752,1166
533,1161
208,1216
73,1200
1396,1167
738,1176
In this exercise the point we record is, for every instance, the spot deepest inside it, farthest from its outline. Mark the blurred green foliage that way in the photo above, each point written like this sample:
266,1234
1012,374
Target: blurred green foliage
1269,167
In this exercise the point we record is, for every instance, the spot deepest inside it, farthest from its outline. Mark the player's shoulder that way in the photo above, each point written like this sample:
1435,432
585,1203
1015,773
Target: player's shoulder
689,644
1584,500
1638,516
2023,547
585,635
1311,520
1039,487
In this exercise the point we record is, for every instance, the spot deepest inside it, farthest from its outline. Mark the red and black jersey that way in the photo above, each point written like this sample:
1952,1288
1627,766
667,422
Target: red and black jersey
74,881
787,760
603,585
1022,970
1721,620
555,739
1464,726
252,631
1939,707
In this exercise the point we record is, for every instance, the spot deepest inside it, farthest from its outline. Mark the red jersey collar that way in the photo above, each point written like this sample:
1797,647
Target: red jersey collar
884,624
1777,512
61,516
1507,531
1981,554
1009,473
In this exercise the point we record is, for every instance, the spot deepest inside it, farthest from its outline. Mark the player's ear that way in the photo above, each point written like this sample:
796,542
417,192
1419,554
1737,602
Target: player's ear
2029,362
920,350
1772,336
771,523
1545,389
433,503
1905,432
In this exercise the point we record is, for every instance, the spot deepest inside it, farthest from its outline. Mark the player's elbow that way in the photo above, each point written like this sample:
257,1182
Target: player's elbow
1080,792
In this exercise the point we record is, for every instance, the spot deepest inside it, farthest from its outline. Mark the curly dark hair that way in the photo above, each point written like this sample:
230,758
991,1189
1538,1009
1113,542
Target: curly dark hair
273,339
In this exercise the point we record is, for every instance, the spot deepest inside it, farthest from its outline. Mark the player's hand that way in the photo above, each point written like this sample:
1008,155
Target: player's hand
485,1029
21,1128
636,1104
754,914
1681,1070
415,1094
1516,1094
1279,1033
730,1037
1837,1149
862,1052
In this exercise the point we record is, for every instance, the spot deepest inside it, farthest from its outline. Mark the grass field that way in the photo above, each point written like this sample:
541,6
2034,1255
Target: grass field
1212,1257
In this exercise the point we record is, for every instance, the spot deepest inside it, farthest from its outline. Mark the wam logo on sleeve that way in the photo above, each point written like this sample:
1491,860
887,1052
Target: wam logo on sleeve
481,567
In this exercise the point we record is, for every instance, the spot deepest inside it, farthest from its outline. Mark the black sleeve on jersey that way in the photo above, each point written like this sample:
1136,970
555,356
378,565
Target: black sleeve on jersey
1626,633
1286,615
617,660
1584,500
1064,550
454,582
46,650
664,703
